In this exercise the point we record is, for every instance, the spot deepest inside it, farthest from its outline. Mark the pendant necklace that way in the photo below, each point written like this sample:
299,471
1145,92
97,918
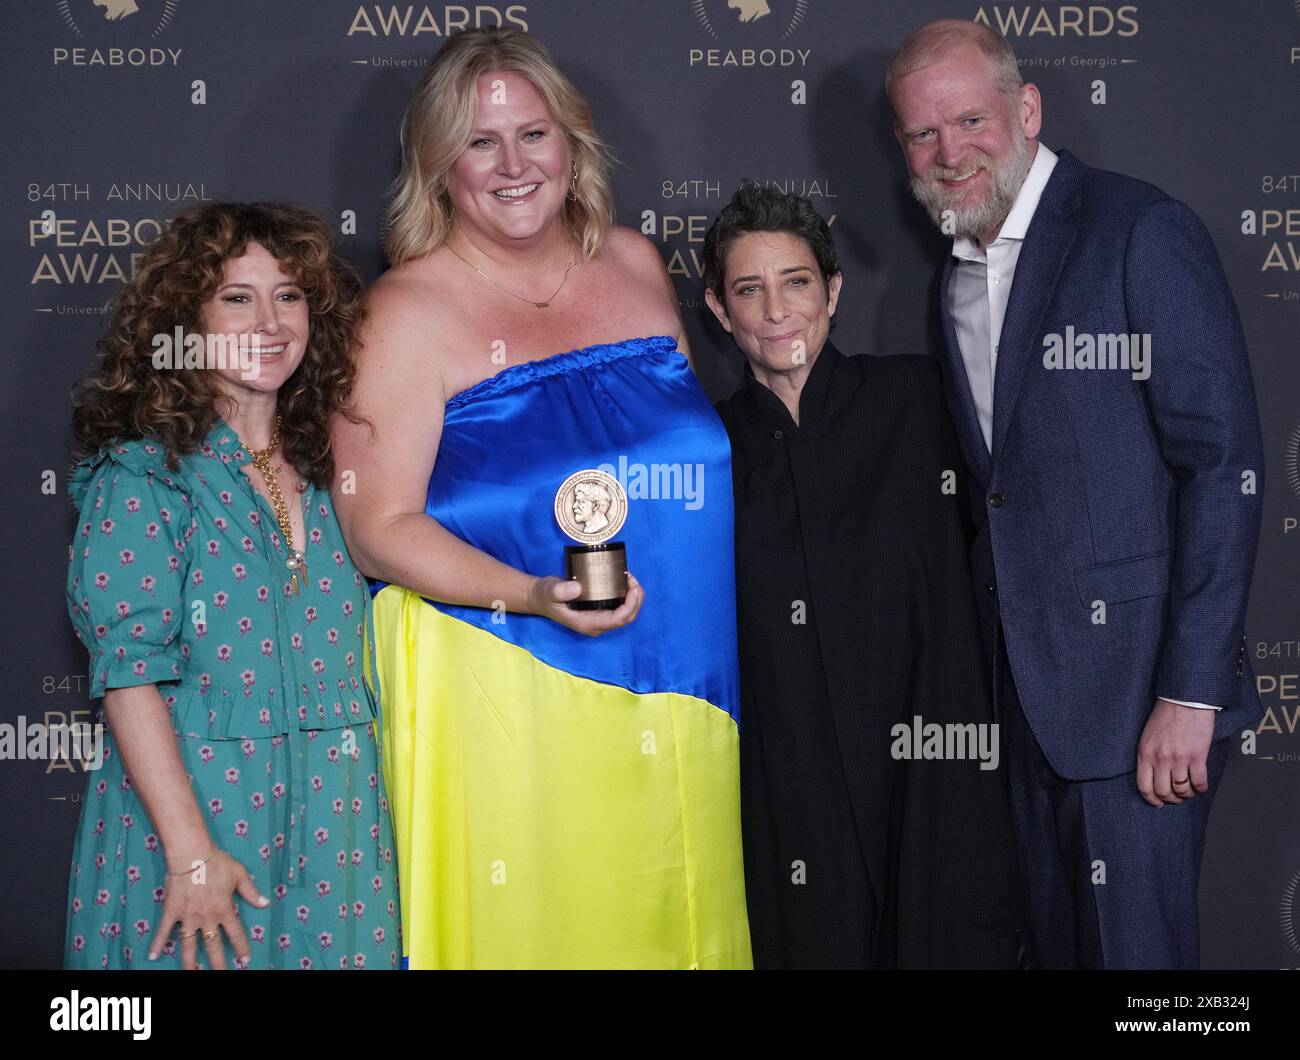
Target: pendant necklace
296,561
535,305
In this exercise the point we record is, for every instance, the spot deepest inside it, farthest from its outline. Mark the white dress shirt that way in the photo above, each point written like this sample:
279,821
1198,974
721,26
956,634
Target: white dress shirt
980,289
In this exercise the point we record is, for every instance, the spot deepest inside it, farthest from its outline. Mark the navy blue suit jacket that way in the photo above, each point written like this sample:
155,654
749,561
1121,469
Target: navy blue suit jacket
1100,487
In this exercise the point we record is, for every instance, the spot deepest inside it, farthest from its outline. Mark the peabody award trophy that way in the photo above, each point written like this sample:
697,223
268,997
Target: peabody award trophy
591,507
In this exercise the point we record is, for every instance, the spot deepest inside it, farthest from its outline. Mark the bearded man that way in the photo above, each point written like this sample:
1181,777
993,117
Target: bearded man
1117,503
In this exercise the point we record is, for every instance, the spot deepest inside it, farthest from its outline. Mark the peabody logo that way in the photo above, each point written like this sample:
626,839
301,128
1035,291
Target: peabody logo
1292,461
750,32
1289,919
116,32
786,16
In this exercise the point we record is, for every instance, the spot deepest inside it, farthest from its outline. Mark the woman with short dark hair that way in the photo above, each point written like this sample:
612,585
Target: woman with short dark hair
856,616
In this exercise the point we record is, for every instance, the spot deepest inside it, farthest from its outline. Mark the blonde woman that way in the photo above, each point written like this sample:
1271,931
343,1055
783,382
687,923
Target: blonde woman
564,778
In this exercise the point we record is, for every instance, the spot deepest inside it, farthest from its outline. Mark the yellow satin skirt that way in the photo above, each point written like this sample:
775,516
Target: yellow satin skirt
546,820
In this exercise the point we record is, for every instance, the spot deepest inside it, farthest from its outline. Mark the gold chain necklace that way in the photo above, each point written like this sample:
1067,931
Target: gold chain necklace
538,305
296,561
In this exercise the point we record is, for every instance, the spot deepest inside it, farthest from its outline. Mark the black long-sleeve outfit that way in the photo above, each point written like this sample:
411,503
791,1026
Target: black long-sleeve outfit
856,613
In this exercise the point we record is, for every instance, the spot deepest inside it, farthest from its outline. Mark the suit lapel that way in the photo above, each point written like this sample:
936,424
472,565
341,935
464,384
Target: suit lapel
960,399
1038,269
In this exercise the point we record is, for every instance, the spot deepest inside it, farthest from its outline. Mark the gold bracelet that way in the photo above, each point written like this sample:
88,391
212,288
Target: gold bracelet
186,872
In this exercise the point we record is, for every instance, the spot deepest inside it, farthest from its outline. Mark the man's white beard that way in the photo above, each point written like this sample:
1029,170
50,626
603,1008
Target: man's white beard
973,221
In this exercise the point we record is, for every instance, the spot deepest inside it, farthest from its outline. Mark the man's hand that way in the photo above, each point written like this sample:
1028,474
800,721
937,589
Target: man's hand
1172,753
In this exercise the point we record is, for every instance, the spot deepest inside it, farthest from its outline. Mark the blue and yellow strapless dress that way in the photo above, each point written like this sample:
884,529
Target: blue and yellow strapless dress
558,800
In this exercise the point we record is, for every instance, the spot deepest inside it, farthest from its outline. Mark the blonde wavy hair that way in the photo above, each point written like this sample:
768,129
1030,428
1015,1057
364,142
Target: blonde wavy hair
436,132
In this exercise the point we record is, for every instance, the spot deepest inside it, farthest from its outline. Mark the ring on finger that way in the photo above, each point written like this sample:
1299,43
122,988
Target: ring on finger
208,936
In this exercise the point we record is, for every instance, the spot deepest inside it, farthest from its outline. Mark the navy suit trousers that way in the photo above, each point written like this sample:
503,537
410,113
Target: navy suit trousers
1108,881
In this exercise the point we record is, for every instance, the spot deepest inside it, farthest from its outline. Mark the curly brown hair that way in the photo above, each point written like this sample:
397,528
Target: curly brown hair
126,397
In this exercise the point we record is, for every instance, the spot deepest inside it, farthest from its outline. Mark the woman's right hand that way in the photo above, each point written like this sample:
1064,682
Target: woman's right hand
203,901
549,596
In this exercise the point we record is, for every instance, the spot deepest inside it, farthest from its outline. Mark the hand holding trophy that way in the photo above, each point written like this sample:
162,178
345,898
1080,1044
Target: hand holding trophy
591,507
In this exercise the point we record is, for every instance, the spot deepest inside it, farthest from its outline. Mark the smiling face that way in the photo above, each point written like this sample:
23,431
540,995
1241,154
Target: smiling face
510,183
775,304
968,143
261,307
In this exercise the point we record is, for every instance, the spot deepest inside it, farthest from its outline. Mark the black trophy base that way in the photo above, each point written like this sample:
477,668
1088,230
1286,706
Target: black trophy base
595,605
601,570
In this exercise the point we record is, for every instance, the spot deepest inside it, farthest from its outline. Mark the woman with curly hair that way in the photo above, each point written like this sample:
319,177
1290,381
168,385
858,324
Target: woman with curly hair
210,583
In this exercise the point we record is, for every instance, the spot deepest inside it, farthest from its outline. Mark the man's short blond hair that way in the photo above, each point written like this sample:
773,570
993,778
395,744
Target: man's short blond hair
929,44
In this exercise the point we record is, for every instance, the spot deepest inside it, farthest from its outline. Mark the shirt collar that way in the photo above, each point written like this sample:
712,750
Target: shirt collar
224,444
1022,210
812,398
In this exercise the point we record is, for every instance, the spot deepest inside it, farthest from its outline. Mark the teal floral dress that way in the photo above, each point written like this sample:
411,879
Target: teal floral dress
178,579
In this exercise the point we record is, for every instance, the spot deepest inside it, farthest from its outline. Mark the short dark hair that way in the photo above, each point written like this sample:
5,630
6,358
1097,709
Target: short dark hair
765,208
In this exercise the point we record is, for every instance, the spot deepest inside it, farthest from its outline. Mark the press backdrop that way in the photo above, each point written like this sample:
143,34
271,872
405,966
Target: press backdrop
119,113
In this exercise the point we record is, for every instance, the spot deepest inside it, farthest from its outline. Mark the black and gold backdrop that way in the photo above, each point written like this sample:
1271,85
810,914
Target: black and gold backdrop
117,113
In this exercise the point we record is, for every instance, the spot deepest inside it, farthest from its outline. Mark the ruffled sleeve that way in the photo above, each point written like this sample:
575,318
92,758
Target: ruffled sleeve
127,565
